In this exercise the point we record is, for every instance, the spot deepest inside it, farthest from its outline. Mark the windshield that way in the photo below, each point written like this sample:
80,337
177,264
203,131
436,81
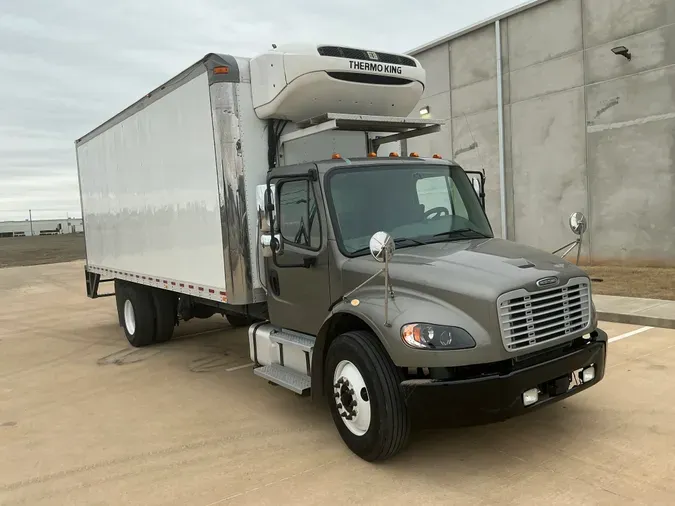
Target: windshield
417,204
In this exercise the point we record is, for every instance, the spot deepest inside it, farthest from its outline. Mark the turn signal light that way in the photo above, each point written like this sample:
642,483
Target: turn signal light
394,154
336,156
436,155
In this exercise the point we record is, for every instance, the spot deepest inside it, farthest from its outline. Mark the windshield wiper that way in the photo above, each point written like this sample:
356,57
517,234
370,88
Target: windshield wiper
397,241
461,231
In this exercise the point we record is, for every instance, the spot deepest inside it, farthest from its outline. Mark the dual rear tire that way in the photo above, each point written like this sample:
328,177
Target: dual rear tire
147,315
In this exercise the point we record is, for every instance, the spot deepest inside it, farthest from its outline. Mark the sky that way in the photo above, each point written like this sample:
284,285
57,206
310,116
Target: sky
68,65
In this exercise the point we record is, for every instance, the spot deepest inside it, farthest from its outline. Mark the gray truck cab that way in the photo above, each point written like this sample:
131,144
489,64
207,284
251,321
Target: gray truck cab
456,316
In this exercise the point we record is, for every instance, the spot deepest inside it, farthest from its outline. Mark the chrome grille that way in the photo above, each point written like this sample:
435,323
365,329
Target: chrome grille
527,319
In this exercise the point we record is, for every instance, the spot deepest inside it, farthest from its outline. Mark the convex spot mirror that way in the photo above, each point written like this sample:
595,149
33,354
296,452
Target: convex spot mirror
578,223
382,246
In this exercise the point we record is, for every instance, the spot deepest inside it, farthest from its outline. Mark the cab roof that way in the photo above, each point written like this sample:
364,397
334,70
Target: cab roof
324,166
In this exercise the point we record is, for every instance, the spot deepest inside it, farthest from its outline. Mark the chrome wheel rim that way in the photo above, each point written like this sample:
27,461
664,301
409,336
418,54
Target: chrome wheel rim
351,398
129,317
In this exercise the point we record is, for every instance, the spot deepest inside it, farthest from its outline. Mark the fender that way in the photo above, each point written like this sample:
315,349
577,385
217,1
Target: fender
342,318
407,306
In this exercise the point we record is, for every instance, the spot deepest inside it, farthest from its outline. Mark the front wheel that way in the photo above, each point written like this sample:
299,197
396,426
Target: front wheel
365,397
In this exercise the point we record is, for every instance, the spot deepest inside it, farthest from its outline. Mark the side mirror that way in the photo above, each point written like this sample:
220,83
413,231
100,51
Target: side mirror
478,184
271,244
475,182
578,223
263,200
382,246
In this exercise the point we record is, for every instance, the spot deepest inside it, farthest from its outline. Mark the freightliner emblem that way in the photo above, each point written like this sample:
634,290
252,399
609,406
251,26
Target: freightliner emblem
550,281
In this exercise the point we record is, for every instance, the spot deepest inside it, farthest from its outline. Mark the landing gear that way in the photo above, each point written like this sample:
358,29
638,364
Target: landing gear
365,397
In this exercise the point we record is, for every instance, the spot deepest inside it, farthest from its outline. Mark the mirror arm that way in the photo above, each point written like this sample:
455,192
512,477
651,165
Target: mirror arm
348,294
571,245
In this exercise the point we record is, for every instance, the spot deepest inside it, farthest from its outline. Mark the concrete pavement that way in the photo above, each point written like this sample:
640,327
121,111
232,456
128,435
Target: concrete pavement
85,419
634,311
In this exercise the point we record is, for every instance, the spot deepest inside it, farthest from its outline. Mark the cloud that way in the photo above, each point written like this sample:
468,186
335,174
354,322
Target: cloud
67,66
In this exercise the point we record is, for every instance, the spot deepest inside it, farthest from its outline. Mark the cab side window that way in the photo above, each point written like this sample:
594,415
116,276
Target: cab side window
298,215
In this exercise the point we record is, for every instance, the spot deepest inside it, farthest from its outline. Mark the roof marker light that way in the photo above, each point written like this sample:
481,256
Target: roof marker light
436,155
393,154
221,70
336,156
414,155
372,154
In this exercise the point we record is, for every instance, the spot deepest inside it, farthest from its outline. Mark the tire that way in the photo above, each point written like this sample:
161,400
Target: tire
382,406
119,300
138,315
166,308
238,320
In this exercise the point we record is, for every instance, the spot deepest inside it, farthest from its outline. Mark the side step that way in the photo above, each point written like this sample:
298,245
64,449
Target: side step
300,341
285,377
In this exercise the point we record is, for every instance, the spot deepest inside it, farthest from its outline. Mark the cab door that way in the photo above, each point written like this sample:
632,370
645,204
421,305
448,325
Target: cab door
298,291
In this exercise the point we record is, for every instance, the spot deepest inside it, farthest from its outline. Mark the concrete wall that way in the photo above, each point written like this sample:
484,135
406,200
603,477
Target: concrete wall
38,225
585,130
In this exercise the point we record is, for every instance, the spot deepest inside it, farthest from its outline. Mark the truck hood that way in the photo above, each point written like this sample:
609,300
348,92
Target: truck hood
478,268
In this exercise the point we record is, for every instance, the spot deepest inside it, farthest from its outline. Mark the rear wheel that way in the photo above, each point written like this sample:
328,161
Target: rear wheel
365,397
138,314
165,304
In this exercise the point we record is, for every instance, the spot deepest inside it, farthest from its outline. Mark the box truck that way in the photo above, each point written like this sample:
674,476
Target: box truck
277,191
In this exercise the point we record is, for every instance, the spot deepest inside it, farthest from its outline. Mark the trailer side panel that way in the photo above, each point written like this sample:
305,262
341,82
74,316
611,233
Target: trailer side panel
150,193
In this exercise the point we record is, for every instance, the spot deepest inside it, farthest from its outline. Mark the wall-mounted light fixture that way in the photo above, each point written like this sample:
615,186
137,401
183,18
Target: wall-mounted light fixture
424,110
622,51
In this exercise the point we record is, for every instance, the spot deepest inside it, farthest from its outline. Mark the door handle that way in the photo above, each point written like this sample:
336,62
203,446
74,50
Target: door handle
274,283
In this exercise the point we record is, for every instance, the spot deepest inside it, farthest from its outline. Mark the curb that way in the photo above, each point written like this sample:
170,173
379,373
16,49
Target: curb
634,319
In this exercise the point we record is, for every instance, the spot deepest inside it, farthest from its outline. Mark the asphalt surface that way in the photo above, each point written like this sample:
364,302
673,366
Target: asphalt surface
85,419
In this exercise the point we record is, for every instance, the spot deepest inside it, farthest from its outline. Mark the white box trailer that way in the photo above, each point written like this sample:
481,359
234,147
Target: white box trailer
163,186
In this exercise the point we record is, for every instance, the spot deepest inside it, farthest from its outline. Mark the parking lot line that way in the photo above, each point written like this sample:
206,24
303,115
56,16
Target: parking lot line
239,367
631,333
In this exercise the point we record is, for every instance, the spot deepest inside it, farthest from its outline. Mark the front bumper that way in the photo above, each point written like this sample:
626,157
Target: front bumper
499,395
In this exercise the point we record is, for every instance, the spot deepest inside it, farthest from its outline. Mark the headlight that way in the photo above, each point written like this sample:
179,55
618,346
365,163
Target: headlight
436,337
